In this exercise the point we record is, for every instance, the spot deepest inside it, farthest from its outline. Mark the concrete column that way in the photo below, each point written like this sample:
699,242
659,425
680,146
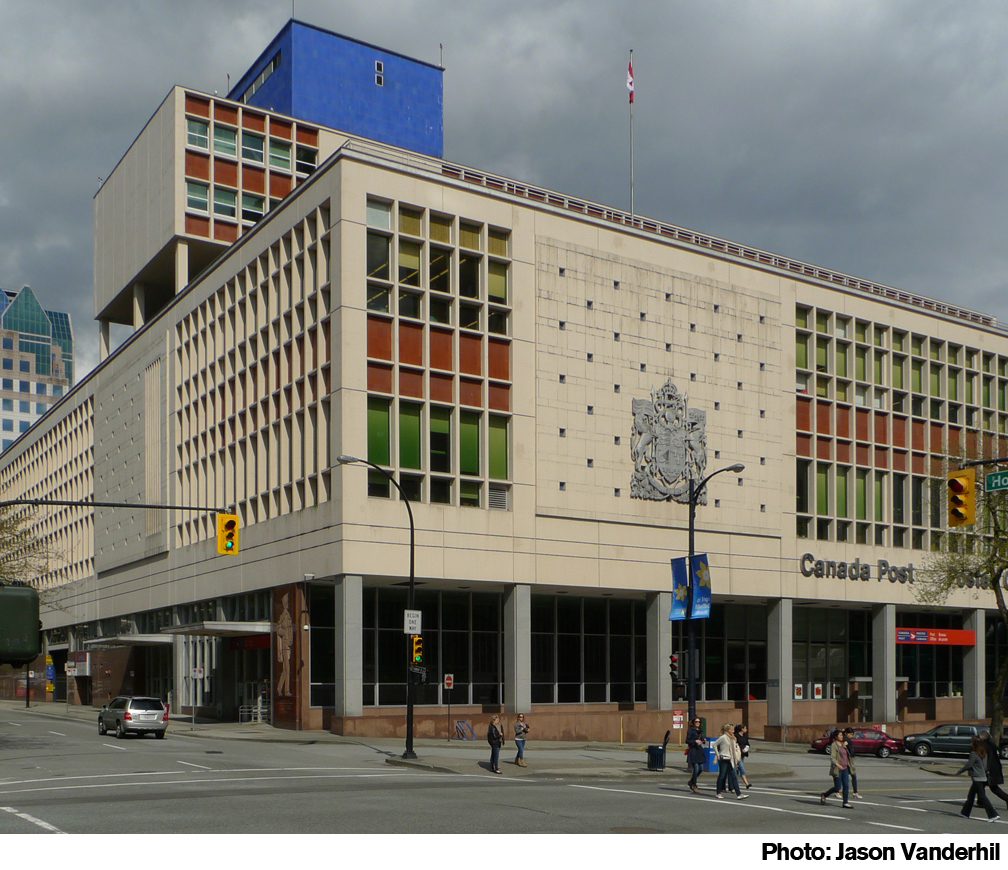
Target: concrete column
780,671
659,648
884,663
974,667
139,306
349,646
518,649
181,265
104,339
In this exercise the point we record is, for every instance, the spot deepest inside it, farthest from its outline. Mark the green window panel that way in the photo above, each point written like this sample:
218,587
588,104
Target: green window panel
801,351
497,285
802,317
498,447
842,352
822,355
861,364
378,256
409,221
225,141
861,496
953,386
469,493
802,486
378,431
841,492
897,374
917,376
469,442
935,380
879,496
409,263
879,367
822,490
440,439
409,435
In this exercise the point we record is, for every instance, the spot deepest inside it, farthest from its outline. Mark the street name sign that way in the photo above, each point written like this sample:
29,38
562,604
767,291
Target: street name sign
996,480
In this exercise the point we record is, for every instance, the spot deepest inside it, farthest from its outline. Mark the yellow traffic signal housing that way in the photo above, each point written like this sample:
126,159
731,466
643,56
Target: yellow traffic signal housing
227,534
416,655
961,497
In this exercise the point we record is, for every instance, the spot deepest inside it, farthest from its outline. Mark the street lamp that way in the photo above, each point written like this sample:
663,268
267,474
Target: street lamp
344,459
695,491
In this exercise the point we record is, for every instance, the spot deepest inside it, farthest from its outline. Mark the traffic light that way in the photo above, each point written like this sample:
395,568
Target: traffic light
227,534
20,640
416,656
673,667
962,497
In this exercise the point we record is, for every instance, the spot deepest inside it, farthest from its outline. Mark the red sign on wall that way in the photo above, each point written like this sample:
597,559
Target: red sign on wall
941,636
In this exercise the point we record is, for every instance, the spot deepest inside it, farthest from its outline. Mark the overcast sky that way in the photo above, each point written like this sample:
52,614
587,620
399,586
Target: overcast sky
867,137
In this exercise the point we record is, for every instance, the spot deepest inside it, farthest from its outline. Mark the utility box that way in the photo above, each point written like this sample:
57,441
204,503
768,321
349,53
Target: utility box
19,625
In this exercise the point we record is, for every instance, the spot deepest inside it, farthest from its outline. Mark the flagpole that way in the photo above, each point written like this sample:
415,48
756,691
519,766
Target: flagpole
631,144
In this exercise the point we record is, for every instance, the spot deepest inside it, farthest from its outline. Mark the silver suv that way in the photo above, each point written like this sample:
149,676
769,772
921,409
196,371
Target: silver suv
129,715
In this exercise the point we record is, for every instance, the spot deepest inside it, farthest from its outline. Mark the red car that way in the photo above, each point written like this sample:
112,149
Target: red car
865,741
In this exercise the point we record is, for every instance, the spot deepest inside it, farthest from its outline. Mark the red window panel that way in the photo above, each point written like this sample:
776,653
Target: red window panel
225,232
253,180
225,172
470,392
899,431
954,440
803,414
280,129
862,423
197,166
803,445
379,378
411,383
899,460
441,388
881,457
862,454
936,438
918,463
499,397
441,349
843,451
280,185
499,359
937,467
197,106
917,435
471,354
843,422
822,448
226,114
881,428
823,417
410,344
253,121
197,226
307,136
379,338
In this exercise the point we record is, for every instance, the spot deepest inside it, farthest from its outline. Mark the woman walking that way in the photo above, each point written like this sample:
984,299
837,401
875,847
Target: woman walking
848,742
976,764
696,753
520,730
495,737
728,756
742,739
839,764
995,775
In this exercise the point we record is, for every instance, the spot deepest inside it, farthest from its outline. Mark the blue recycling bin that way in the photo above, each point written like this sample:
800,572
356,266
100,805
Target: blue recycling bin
712,762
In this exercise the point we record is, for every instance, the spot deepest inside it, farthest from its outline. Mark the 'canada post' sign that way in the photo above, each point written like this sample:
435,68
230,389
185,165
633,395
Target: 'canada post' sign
856,570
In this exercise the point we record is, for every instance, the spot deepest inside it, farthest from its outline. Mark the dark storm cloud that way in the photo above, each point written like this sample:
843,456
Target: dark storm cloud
865,137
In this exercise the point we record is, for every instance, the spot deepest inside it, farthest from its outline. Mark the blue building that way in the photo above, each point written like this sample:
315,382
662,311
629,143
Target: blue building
36,361
332,80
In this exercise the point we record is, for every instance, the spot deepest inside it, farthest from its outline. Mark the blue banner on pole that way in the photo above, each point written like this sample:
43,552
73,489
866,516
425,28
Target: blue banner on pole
700,587
680,589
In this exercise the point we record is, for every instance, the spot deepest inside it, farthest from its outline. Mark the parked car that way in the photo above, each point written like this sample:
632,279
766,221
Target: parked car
949,740
129,715
865,741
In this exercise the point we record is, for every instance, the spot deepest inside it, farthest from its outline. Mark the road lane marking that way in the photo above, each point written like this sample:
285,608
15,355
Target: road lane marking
683,797
32,819
58,733
190,764
113,746
898,827
15,724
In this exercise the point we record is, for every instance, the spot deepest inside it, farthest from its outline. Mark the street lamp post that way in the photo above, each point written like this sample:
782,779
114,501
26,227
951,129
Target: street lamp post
344,459
695,491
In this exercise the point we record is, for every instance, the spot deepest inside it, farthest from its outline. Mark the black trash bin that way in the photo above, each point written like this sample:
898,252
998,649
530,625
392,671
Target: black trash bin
656,757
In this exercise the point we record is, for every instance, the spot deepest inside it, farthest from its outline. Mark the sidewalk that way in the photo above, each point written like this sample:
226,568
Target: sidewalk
546,758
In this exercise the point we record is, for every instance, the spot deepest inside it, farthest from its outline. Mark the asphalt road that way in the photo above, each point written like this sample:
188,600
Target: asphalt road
60,776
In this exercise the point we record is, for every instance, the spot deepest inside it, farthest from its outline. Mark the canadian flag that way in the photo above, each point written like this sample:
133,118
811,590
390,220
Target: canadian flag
629,79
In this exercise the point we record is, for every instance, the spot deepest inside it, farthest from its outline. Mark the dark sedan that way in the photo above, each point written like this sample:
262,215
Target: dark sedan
948,740
864,741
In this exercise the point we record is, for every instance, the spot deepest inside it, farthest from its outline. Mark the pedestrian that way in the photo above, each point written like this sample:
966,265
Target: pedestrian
742,738
696,752
976,764
728,756
848,742
521,730
839,763
995,776
495,737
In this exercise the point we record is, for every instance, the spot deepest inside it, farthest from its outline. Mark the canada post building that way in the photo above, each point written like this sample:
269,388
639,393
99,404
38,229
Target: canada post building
542,376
